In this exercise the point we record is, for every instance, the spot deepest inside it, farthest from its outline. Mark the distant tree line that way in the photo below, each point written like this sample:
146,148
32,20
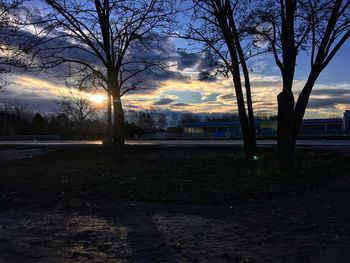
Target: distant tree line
71,122
18,120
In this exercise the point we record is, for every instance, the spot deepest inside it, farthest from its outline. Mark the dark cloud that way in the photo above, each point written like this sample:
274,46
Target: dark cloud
207,76
204,62
154,49
187,60
42,105
336,92
316,103
209,62
180,105
333,96
164,101
227,96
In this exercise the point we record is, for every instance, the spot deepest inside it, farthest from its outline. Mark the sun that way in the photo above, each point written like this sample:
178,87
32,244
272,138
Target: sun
97,98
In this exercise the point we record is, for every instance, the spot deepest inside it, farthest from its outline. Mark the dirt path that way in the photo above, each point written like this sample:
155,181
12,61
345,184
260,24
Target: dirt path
313,227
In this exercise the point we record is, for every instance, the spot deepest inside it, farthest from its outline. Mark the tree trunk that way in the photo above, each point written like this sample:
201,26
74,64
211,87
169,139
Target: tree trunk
290,118
248,138
109,121
251,134
285,146
118,134
249,141
118,113
246,130
251,145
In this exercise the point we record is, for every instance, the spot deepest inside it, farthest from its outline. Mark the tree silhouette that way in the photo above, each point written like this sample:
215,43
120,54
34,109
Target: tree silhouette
146,122
39,124
13,47
289,27
221,30
162,122
94,40
78,108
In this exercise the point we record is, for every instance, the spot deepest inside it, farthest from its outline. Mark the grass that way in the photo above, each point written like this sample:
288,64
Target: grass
162,175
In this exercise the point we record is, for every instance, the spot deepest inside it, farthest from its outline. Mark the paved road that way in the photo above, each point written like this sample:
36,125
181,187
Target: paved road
50,143
334,143
321,143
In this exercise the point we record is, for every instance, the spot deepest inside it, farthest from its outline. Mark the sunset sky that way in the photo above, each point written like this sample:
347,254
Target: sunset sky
331,95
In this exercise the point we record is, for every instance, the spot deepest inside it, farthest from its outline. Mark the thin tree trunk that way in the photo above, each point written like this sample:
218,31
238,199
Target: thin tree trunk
251,134
222,11
251,120
248,140
247,135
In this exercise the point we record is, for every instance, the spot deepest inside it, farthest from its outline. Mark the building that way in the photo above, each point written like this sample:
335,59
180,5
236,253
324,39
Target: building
268,128
321,125
212,129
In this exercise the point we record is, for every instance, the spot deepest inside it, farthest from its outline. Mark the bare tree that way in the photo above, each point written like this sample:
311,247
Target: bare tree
12,49
146,121
77,107
222,32
5,26
94,40
162,122
320,27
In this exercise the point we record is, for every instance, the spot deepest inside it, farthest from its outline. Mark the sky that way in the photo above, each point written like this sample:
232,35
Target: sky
185,92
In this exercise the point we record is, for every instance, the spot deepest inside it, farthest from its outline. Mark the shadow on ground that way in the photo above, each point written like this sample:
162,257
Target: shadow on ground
312,227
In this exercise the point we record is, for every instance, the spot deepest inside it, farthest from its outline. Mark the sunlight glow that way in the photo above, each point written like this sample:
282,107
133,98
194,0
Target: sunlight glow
97,98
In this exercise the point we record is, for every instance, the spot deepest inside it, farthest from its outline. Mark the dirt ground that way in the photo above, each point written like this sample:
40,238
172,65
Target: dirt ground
309,227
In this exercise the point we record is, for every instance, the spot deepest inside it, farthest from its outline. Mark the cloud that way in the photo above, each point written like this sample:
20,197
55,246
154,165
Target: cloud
164,101
180,105
210,96
190,94
343,90
266,83
227,97
316,103
187,60
206,76
183,82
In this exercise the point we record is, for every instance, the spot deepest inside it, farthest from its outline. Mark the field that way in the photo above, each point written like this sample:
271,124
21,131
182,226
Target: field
174,205
187,175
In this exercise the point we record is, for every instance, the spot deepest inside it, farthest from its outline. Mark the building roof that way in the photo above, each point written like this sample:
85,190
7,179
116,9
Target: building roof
323,121
213,124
